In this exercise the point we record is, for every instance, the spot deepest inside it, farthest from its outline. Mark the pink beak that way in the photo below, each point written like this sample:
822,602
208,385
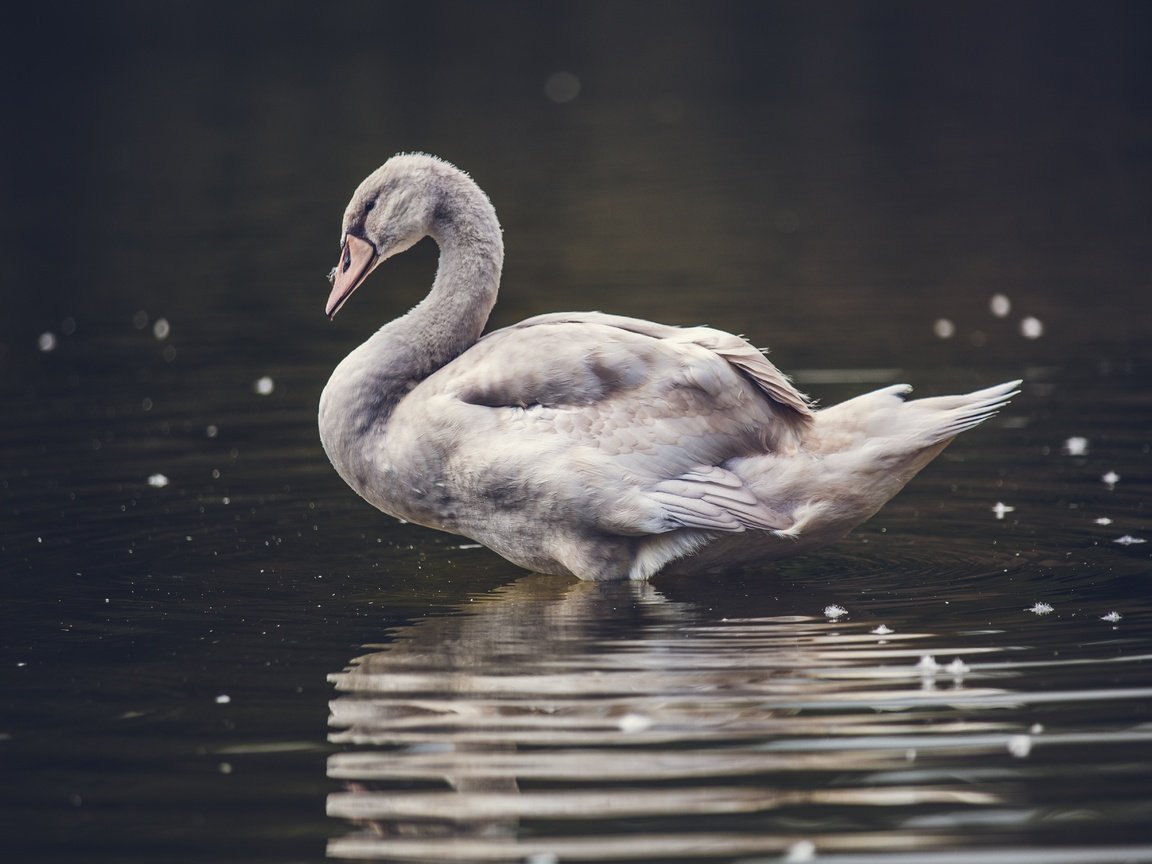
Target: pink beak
357,260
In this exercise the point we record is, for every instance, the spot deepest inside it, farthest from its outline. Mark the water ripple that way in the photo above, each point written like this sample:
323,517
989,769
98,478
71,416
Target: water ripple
556,721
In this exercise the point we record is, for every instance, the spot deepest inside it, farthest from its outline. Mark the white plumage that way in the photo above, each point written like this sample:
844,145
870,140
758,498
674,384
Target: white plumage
588,444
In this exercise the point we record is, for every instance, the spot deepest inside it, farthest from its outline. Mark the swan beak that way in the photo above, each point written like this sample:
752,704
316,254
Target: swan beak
357,260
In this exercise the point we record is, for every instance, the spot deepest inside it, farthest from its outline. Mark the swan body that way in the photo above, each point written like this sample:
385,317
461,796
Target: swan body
588,444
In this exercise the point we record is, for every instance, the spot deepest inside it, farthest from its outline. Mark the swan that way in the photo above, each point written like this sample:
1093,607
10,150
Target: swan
587,444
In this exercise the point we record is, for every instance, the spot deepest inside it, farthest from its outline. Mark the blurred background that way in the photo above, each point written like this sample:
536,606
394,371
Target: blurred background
823,168
948,194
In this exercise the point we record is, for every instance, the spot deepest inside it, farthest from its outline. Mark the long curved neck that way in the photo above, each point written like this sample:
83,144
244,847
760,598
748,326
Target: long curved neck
451,318
368,384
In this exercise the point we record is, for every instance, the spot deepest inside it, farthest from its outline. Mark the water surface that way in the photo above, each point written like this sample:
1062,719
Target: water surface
212,651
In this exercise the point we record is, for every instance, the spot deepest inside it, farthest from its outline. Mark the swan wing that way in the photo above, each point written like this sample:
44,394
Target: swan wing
737,352
634,418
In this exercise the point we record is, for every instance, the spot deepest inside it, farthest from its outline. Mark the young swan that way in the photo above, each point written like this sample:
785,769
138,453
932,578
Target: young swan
587,444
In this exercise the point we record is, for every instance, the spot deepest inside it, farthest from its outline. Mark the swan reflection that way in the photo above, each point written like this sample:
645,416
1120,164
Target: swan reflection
597,721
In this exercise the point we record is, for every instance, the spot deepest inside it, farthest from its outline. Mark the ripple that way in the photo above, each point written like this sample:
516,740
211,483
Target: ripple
595,722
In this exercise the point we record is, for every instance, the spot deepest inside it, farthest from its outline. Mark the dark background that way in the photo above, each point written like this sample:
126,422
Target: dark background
843,158
827,178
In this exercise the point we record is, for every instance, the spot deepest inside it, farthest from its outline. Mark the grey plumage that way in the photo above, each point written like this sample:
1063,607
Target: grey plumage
588,444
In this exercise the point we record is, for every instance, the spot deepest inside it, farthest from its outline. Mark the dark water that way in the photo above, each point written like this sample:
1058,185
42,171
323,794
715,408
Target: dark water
212,651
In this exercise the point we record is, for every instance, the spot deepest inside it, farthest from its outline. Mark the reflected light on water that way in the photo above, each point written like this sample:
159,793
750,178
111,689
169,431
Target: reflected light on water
604,722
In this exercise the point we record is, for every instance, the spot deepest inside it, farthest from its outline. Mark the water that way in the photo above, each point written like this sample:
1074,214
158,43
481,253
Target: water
245,662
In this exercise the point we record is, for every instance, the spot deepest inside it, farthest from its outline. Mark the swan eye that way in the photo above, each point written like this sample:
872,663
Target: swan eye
370,206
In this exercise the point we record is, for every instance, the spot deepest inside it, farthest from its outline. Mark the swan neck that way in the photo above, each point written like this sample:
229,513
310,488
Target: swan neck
369,383
451,318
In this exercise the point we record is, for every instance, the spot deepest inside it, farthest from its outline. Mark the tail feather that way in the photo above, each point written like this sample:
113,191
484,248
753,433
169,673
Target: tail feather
944,417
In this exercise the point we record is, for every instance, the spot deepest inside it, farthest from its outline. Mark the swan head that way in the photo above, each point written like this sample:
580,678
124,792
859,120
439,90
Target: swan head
391,210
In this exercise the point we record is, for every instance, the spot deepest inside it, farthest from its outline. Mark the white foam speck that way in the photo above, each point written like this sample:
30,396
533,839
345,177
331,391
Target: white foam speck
1077,445
1111,617
957,668
633,723
1110,479
1031,328
800,852
943,328
46,342
1020,745
223,699
1103,520
928,664
833,611
1000,305
1000,508
882,630
264,386
161,329
1129,540
159,481
1040,608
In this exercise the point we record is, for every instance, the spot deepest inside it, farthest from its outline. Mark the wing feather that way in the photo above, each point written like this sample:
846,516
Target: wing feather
651,412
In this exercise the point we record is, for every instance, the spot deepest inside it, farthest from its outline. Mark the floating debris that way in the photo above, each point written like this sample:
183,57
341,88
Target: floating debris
1110,480
800,852
264,386
928,664
882,630
1040,608
1031,328
1111,617
161,329
943,328
159,481
1000,508
1000,305
211,430
1076,446
957,668
1020,745
633,723
1103,520
835,611
46,342
1129,540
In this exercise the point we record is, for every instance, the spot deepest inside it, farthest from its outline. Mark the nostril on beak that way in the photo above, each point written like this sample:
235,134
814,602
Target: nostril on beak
346,261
